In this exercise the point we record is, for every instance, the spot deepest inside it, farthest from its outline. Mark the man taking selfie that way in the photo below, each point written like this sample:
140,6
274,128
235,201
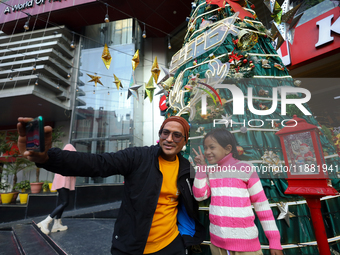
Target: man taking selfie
158,214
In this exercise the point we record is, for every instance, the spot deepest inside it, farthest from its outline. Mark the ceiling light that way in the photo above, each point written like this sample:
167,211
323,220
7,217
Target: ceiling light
27,23
72,45
107,19
144,32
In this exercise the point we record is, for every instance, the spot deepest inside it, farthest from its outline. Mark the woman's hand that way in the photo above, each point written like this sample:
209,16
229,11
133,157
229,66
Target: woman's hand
199,159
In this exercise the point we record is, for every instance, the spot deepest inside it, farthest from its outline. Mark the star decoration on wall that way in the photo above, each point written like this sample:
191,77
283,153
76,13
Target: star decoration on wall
95,79
135,60
159,84
155,70
117,82
106,57
284,21
149,89
284,212
133,88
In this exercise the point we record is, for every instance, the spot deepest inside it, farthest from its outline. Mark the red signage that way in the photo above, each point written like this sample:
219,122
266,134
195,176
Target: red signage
314,38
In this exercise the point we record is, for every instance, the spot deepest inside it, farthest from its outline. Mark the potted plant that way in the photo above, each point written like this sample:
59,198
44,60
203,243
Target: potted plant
5,197
45,186
36,187
23,186
50,186
14,162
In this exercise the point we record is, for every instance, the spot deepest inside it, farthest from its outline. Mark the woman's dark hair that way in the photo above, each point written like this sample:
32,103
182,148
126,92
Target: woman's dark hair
224,138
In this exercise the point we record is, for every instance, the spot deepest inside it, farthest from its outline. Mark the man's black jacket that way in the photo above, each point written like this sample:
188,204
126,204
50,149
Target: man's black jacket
142,185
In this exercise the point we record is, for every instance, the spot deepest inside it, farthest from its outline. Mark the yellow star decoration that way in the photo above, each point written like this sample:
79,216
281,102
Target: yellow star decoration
135,60
118,82
106,57
95,79
155,70
149,89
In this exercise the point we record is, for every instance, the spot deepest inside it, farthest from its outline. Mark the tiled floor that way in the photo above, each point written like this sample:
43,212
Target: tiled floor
85,236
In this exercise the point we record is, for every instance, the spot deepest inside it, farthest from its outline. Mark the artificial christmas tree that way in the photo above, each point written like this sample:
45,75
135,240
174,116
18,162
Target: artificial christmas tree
229,74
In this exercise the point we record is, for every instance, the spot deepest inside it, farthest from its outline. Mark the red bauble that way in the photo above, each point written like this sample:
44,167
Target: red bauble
240,150
245,61
252,6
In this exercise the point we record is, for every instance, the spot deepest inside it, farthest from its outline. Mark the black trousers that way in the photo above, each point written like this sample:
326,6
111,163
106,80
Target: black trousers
176,247
63,200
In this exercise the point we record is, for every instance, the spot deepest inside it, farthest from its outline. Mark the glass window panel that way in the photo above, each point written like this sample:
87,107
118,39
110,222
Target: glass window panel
104,117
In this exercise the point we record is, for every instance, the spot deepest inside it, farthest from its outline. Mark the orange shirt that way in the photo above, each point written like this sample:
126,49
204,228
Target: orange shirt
164,223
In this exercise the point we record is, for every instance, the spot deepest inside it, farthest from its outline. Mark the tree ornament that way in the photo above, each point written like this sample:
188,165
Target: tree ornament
95,79
155,70
278,66
106,57
133,88
265,64
201,131
246,40
149,89
240,150
284,21
205,23
297,83
243,130
135,60
272,160
284,213
235,5
263,92
168,83
117,82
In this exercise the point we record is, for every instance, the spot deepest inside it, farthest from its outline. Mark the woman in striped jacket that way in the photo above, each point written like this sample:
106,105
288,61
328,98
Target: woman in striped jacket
234,187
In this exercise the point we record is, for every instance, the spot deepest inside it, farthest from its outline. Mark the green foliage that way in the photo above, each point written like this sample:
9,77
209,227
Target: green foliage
292,109
328,134
4,186
46,184
23,185
57,135
4,145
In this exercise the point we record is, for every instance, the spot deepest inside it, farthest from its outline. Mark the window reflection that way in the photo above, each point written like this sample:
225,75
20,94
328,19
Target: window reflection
104,118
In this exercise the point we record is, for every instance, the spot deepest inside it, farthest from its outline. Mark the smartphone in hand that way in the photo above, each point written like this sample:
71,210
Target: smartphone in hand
35,135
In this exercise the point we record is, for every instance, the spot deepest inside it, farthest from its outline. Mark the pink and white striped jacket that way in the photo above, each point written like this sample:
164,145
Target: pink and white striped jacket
231,216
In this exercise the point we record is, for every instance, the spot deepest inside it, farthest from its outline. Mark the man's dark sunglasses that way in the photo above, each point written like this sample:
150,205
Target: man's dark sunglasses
176,136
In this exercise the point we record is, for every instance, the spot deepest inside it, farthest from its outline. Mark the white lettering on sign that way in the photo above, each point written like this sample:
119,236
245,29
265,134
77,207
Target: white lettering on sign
238,100
326,28
26,5
204,42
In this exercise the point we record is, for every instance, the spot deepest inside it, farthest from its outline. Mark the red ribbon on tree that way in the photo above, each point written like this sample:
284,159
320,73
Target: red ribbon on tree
235,5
